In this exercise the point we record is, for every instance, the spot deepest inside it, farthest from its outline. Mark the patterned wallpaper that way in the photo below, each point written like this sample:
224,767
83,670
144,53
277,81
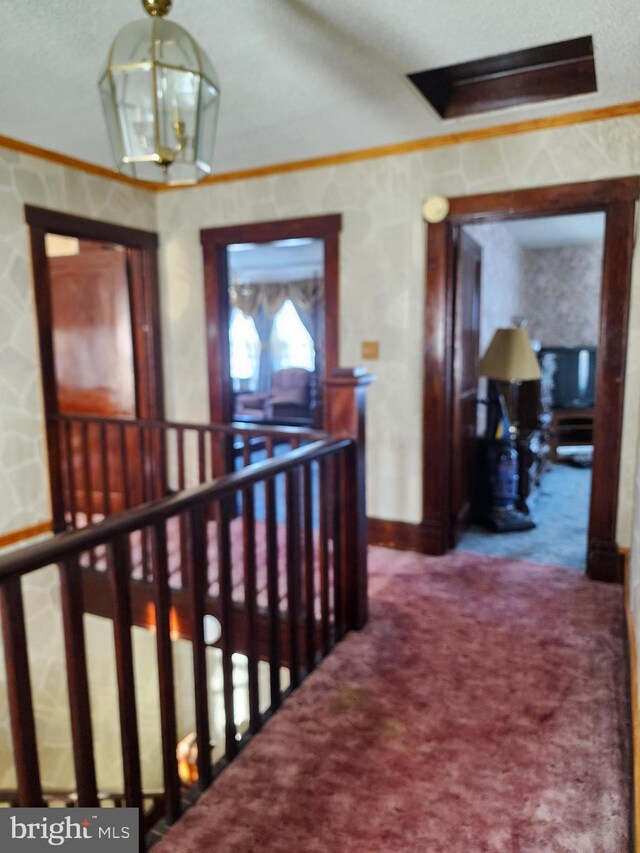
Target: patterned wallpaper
24,496
382,251
501,282
567,280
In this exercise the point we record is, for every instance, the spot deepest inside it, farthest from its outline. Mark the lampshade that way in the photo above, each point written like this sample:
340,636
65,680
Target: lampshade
510,357
160,95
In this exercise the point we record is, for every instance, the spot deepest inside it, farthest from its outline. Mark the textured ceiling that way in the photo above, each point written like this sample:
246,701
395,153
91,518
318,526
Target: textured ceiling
548,232
299,78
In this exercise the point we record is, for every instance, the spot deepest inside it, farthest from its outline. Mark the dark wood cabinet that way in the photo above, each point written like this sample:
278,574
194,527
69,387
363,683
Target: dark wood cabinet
569,428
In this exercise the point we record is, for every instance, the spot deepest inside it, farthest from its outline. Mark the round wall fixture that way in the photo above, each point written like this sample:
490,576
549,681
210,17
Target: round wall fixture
435,208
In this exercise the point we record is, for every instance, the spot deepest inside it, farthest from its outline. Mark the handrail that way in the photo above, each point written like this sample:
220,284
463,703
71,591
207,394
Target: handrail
234,428
40,554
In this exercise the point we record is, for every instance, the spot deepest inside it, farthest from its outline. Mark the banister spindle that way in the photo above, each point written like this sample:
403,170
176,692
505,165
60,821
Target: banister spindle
72,604
104,465
323,533
251,604
164,651
23,728
119,573
198,583
336,538
223,515
309,567
273,591
292,493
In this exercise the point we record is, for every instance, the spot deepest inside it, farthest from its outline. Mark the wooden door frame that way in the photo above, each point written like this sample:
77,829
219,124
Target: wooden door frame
216,290
142,269
616,199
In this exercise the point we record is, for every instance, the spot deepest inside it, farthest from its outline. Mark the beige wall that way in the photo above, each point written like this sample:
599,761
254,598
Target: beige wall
28,180
382,274
381,267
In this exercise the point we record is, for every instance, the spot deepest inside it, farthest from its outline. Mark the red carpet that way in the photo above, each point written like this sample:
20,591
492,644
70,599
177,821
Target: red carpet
484,708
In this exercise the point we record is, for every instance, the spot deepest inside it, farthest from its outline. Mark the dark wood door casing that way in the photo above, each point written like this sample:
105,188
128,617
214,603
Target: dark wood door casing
216,284
616,199
465,380
142,274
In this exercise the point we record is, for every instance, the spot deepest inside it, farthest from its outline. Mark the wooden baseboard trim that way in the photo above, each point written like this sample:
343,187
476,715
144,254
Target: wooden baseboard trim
25,533
634,843
404,536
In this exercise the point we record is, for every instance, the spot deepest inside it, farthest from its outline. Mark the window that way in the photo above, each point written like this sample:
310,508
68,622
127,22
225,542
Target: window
291,344
245,351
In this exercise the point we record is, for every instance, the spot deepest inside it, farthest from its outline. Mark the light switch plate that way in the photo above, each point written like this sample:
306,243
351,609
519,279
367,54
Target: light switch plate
370,350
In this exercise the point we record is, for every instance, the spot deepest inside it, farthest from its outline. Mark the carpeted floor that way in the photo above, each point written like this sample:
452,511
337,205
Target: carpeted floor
483,708
561,514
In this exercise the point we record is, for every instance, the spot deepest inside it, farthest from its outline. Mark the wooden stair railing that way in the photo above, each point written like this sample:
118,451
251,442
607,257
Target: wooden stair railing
108,464
322,603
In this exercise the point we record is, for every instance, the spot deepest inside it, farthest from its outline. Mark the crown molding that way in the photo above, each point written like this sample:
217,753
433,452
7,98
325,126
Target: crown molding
394,150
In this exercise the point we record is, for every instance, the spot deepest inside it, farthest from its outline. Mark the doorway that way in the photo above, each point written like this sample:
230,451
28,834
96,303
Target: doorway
222,248
276,330
96,295
540,284
616,200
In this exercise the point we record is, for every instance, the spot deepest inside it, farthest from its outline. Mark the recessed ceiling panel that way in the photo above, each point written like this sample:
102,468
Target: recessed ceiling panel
528,76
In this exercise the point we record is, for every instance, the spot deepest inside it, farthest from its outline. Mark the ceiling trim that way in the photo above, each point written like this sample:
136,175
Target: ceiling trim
72,162
396,149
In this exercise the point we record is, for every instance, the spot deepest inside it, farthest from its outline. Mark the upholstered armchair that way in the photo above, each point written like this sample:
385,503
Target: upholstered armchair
290,397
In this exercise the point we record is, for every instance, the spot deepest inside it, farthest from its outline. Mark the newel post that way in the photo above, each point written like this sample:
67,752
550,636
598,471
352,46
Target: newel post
344,416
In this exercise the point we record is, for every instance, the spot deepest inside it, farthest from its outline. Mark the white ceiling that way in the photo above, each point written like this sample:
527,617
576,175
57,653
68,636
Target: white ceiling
285,260
299,78
554,231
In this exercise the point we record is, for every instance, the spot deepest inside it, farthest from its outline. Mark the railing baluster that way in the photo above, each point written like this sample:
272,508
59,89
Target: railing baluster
293,571
88,490
184,556
124,464
273,592
226,621
146,496
202,470
23,728
198,583
338,591
71,474
104,458
119,572
246,450
324,556
268,443
251,604
162,604
309,567
72,604
180,455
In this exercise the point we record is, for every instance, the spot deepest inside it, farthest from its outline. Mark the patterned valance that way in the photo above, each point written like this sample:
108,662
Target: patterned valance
249,298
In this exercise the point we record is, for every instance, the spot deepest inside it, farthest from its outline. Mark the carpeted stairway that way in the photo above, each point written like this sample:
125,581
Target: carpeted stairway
483,708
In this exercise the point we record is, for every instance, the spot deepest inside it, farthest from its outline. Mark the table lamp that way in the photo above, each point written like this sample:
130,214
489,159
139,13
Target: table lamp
508,358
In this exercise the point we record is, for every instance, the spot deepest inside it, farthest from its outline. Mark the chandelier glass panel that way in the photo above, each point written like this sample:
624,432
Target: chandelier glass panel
161,96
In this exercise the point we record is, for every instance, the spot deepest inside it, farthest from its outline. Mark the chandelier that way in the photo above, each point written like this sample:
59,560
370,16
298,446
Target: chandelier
160,95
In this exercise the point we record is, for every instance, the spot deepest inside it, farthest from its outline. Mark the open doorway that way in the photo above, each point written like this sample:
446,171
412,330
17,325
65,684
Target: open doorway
543,275
276,330
271,301
616,199
96,295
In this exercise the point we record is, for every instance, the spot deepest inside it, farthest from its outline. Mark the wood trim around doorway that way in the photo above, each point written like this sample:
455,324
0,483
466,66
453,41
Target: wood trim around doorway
142,269
216,283
616,199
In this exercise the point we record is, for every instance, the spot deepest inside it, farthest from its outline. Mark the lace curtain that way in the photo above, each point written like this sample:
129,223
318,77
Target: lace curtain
263,301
